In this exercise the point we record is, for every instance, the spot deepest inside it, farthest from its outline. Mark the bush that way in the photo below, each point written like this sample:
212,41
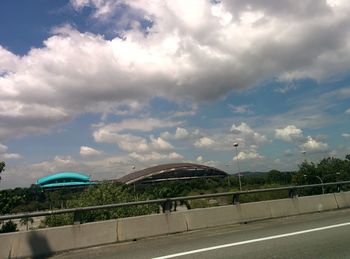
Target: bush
9,226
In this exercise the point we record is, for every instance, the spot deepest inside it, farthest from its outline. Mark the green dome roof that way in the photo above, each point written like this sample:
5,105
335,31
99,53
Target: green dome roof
78,177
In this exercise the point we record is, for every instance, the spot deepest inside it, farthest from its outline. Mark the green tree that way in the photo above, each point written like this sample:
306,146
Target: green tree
105,193
329,169
275,176
347,157
9,226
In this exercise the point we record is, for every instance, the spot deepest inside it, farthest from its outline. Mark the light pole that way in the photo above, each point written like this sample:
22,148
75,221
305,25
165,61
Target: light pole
239,170
228,177
304,155
319,178
133,169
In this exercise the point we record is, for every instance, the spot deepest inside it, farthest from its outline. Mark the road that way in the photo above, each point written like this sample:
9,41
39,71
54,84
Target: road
319,235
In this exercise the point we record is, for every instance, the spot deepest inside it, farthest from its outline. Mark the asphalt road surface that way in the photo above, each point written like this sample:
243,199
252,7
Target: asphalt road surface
319,235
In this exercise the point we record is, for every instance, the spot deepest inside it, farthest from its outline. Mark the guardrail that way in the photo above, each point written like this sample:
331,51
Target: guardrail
167,203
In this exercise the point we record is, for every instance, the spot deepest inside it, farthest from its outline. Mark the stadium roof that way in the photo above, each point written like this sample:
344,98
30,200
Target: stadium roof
175,171
64,179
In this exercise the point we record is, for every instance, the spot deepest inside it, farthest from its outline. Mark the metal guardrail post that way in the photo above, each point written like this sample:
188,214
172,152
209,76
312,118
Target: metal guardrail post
339,188
77,218
167,206
235,199
293,193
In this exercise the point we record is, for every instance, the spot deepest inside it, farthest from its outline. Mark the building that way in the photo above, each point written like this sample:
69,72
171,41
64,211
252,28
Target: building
64,179
171,172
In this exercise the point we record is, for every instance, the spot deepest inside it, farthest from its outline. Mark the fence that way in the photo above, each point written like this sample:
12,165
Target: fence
167,203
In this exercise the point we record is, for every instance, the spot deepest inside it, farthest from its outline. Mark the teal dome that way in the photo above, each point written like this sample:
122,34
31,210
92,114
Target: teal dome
64,179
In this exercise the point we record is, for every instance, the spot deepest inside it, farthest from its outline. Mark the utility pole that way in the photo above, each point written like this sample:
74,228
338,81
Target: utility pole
239,170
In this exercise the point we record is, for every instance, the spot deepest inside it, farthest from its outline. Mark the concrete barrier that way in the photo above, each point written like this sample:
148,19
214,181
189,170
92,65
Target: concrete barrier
151,225
53,240
253,211
284,207
211,217
342,199
317,203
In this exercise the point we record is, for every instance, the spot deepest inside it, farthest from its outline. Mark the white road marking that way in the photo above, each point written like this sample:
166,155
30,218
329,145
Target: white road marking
253,241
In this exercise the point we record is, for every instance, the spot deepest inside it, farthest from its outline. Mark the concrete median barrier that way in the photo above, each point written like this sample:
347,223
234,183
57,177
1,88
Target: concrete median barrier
211,217
284,207
151,225
53,240
342,199
317,203
253,211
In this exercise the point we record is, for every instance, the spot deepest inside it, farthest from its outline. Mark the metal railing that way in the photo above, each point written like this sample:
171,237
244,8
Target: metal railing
167,203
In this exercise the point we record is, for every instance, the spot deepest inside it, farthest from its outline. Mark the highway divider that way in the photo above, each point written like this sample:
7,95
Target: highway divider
53,240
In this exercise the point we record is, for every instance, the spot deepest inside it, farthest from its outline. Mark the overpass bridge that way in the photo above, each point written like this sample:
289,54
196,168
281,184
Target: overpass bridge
55,240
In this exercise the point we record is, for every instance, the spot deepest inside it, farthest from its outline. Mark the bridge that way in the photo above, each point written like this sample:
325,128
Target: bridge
218,229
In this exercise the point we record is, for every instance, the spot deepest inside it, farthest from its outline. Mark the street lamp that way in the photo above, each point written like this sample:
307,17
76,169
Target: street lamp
228,176
133,167
319,178
239,170
304,155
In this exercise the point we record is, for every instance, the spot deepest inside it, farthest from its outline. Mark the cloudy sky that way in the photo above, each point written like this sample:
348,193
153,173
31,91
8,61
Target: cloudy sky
100,86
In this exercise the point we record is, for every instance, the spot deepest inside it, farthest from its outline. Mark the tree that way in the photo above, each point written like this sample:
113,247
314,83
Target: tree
2,167
275,176
9,226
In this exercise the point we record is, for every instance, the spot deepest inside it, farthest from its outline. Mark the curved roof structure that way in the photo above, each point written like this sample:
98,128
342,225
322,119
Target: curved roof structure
64,179
176,171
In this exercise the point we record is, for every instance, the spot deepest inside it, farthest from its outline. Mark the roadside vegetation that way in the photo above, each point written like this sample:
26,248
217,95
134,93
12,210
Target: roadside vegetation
34,199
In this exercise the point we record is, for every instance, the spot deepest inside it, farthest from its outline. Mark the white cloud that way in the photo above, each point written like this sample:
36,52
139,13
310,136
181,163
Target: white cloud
175,156
142,125
86,151
286,89
8,61
312,145
4,155
10,156
160,144
199,159
346,135
155,156
3,148
347,111
167,135
248,155
204,142
244,131
113,133
180,133
241,109
174,57
289,133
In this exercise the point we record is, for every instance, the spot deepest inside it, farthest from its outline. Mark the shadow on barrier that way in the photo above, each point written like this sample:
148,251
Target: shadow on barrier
39,246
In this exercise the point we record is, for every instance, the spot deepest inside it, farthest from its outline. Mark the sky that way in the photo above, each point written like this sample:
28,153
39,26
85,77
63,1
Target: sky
107,87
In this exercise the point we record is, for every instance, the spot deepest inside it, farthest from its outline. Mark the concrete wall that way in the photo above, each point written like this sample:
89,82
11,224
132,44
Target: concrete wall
53,240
